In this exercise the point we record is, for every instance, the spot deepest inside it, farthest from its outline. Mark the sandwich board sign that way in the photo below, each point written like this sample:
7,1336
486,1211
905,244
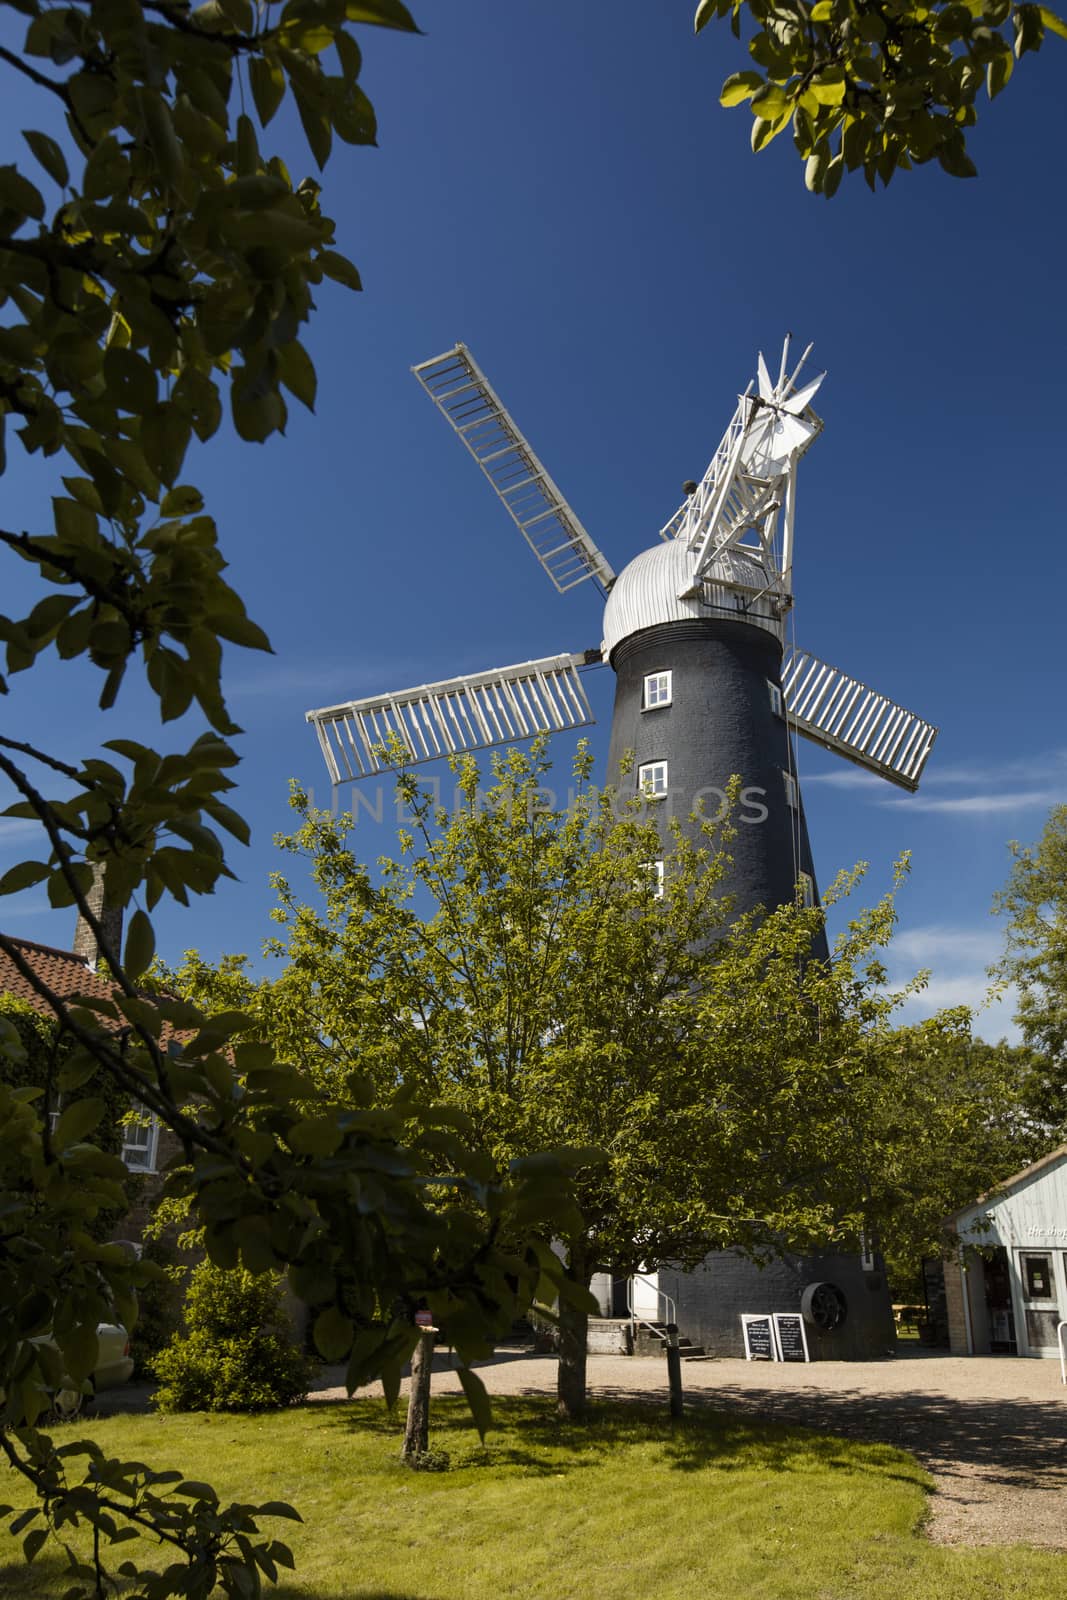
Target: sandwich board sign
760,1343
790,1336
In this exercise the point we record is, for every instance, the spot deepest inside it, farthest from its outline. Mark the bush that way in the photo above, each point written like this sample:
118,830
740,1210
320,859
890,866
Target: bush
159,1304
238,1352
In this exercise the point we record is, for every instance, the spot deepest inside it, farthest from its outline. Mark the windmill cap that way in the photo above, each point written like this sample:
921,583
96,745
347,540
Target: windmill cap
649,591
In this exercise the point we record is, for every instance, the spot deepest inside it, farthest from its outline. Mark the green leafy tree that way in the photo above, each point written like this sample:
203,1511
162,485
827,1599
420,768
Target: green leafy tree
875,86
157,265
1034,902
517,962
950,1118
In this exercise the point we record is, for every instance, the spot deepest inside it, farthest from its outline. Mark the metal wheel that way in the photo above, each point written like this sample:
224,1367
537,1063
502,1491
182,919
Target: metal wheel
66,1404
824,1306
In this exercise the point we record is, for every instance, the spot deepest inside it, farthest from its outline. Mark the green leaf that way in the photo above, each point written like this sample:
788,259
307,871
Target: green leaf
140,945
75,1122
279,1508
1053,23
49,155
182,501
268,86
333,1334
33,1542
740,86
18,194
822,11
315,1136
705,11
73,520
23,876
80,1349
477,1399
382,13
829,87
297,372
339,268
165,432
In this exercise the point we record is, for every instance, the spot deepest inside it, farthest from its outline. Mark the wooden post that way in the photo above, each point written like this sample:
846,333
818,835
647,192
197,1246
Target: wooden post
674,1372
417,1429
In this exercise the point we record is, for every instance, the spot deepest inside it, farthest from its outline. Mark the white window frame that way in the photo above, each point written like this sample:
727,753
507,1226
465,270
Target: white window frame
139,1155
657,868
652,679
807,890
646,780
792,795
775,694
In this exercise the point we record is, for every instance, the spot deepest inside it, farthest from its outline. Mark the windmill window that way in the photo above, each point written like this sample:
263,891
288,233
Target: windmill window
652,780
140,1136
776,698
657,691
790,790
807,889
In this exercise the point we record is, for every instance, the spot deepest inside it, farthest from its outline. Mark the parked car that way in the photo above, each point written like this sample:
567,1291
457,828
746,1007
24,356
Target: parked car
114,1366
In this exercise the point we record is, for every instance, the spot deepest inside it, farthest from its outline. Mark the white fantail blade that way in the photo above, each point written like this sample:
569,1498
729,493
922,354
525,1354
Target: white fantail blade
842,714
783,364
749,482
454,716
463,395
796,403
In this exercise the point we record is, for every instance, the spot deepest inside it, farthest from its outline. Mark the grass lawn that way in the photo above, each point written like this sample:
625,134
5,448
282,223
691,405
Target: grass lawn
622,1505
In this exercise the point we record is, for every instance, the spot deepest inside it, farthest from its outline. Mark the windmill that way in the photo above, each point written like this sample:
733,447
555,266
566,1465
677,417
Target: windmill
694,628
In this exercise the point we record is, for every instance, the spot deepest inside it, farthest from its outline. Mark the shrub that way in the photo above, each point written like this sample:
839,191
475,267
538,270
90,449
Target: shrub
237,1353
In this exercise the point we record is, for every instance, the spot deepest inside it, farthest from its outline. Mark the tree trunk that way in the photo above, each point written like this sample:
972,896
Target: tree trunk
417,1430
573,1339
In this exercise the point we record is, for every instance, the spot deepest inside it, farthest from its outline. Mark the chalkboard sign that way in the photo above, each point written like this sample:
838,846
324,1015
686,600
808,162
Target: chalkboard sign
790,1336
759,1338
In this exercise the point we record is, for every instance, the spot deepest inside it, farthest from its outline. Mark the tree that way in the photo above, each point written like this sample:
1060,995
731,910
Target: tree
518,963
1034,900
875,85
172,266
953,1120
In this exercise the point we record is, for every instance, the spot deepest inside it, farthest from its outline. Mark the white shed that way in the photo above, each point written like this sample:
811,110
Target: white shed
1006,1287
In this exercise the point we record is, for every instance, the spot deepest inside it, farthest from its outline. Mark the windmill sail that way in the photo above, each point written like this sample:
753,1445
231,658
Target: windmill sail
454,716
837,711
461,392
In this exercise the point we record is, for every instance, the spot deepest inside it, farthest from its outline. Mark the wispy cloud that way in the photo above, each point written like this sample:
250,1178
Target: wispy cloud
15,829
1022,783
329,684
958,958
989,803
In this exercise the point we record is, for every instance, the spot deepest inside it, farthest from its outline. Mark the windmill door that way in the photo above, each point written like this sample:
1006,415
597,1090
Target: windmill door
1041,1301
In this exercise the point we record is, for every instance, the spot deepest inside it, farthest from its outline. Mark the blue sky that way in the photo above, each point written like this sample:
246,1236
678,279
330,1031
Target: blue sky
557,186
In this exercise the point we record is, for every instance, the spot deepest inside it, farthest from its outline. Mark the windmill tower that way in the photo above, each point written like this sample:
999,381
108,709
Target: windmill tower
706,687
694,628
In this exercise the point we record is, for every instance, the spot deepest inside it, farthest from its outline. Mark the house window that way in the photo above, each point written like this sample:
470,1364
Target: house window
652,780
657,870
776,698
140,1135
806,889
657,691
790,790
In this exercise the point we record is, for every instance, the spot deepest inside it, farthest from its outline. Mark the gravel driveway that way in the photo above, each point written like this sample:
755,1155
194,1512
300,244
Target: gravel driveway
992,1430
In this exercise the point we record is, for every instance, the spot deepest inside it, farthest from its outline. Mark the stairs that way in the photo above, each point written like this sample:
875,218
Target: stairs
652,1339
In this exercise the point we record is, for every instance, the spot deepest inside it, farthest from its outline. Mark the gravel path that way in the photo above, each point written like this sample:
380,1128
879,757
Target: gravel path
991,1430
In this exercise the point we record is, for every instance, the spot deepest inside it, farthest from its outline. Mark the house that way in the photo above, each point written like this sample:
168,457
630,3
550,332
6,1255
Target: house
1006,1281
146,1145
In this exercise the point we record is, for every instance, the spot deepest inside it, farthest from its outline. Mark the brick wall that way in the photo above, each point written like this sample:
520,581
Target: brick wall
711,1299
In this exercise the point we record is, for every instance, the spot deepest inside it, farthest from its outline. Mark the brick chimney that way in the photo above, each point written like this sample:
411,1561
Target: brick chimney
109,918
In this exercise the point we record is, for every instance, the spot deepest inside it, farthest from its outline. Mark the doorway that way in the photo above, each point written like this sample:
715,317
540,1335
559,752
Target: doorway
1040,1301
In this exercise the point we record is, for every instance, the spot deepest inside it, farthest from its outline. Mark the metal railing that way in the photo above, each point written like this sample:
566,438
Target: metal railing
671,1309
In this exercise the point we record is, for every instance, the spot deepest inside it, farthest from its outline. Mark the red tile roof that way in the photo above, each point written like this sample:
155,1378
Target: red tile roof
64,972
